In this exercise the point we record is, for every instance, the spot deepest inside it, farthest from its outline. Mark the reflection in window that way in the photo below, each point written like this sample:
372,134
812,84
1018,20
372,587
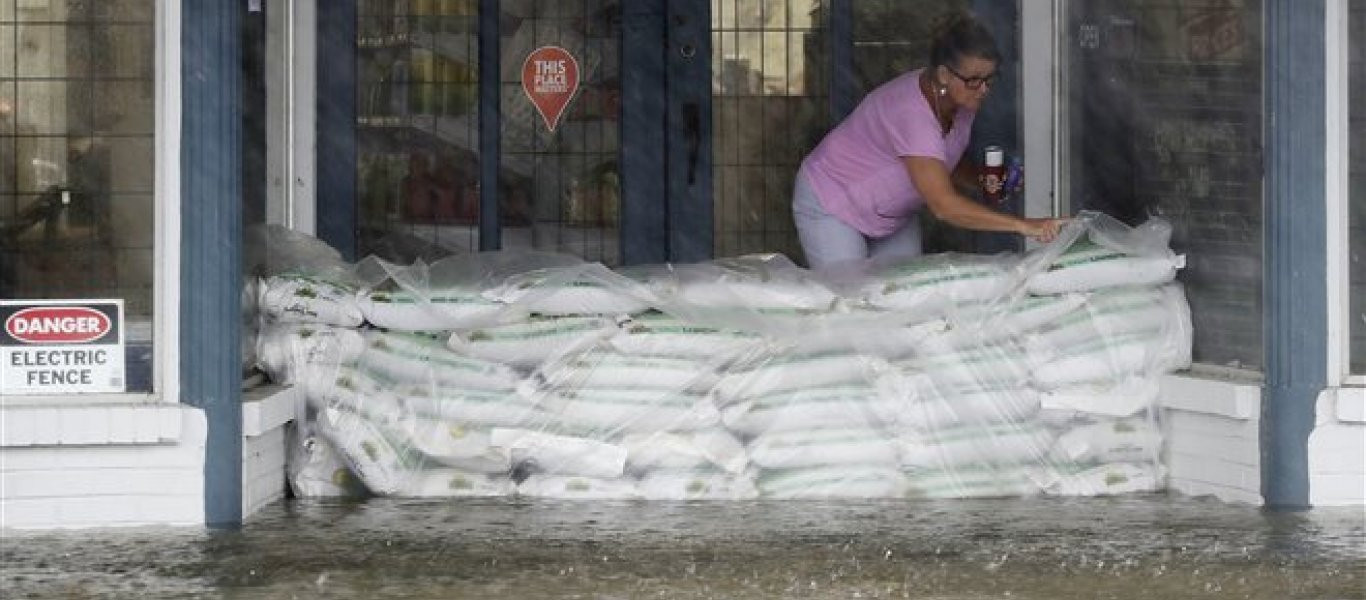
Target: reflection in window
770,106
76,158
1357,187
1165,117
417,127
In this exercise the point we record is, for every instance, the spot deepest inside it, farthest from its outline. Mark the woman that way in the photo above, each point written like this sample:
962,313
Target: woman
858,192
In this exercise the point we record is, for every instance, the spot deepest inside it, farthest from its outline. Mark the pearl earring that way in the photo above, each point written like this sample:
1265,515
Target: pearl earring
943,89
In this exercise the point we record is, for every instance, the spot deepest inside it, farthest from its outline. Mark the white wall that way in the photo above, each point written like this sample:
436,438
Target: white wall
103,465
1337,449
1212,440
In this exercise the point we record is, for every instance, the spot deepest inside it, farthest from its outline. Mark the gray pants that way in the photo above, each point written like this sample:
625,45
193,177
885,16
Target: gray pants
827,241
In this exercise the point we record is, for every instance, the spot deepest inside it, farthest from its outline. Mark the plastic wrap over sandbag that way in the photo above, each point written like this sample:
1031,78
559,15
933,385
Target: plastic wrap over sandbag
301,280
947,376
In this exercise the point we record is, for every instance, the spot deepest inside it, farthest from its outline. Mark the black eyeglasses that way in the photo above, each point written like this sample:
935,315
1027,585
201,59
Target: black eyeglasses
972,83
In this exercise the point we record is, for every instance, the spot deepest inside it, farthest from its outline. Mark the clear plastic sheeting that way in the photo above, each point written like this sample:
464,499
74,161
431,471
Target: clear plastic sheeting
533,374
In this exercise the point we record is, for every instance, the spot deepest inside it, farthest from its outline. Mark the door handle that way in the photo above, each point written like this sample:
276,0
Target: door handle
692,126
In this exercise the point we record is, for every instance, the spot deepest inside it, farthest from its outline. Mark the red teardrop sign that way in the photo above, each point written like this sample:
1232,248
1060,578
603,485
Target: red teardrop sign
550,76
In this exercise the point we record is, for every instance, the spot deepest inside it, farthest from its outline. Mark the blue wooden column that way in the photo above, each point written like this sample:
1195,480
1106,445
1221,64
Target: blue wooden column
1295,225
211,244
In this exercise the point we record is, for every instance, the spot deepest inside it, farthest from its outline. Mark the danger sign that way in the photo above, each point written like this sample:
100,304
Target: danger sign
61,346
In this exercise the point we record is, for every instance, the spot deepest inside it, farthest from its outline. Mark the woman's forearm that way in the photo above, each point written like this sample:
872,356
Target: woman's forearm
961,211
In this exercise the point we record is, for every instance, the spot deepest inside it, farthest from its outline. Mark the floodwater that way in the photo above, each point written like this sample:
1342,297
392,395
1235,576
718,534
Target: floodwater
1149,547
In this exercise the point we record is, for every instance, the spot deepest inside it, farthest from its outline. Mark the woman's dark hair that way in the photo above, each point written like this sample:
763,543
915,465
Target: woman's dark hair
958,35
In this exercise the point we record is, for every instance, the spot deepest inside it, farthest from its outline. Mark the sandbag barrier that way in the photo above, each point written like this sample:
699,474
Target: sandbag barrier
533,374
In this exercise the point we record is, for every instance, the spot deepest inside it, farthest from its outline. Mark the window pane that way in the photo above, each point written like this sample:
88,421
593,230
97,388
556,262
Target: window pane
1165,117
418,127
1357,194
560,190
76,159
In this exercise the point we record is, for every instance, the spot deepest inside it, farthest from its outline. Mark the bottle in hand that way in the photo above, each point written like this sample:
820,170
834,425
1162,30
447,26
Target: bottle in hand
994,174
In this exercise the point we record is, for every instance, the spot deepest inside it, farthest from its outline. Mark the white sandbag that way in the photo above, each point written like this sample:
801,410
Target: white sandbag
381,466
388,403
738,292
452,444
820,447
415,358
684,450
972,482
931,284
1121,440
316,470
477,408
658,334
1000,365
574,290
1010,444
1111,359
606,369
976,408
430,311
786,372
882,334
283,349
528,344
1105,480
559,454
1086,266
1122,399
450,483
306,299
607,411
577,487
843,481
969,325
349,388
1108,313
846,406
696,485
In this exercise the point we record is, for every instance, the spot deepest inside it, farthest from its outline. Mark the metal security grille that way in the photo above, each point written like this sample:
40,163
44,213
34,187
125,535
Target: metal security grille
892,37
560,190
770,95
77,157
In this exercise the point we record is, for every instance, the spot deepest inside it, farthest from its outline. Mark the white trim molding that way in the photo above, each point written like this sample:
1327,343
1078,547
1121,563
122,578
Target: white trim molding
166,303
1337,188
1038,46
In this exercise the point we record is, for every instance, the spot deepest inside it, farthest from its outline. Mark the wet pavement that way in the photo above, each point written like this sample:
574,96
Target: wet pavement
1150,547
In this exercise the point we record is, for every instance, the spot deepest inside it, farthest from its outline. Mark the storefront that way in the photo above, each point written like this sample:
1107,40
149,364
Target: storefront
141,138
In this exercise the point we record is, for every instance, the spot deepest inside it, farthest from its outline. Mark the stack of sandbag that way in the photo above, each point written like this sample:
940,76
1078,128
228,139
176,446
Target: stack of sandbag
542,375
1098,367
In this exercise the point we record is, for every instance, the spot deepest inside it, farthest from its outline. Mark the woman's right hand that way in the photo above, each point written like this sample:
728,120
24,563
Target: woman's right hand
1042,230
